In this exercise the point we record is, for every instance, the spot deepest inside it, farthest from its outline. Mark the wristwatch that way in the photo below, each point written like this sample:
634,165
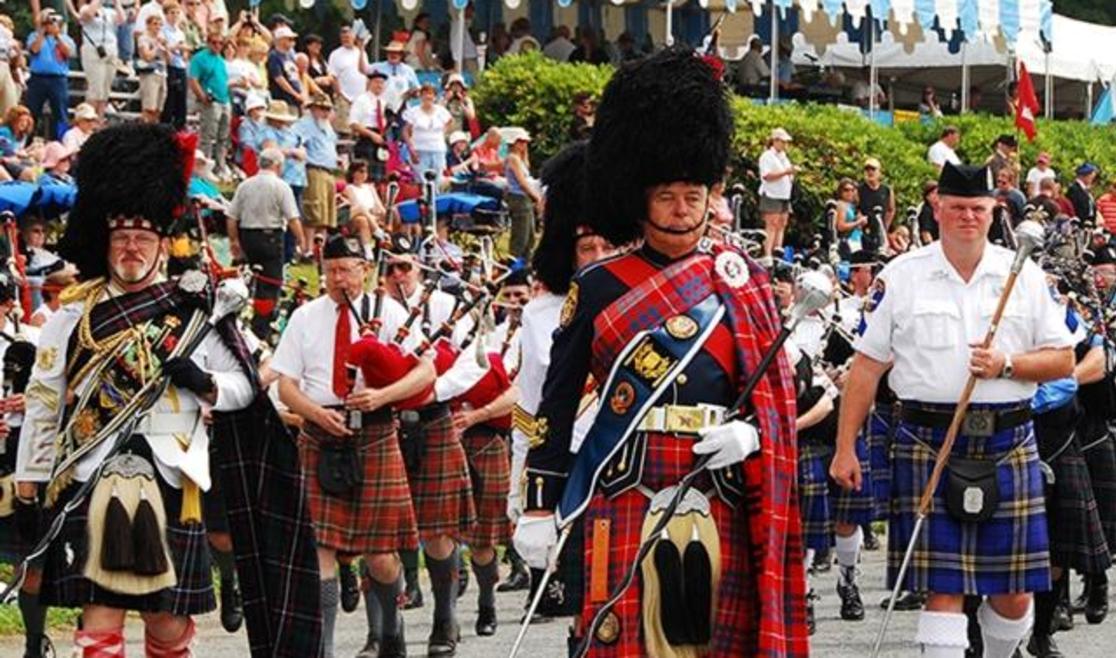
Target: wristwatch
1009,368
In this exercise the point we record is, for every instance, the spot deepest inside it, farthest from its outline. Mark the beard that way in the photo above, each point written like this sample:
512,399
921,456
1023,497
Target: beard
132,272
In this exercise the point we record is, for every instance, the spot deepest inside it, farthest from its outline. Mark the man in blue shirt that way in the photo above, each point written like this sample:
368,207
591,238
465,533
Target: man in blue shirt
402,81
209,82
319,200
49,51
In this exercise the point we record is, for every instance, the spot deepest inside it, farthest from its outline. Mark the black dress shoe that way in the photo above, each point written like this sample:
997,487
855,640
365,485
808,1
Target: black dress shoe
852,608
906,602
486,620
443,639
1043,646
516,581
394,647
871,541
1061,619
232,609
412,597
350,588
39,648
1096,606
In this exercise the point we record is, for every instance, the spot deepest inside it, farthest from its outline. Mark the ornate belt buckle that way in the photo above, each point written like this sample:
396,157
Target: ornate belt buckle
356,418
979,423
684,420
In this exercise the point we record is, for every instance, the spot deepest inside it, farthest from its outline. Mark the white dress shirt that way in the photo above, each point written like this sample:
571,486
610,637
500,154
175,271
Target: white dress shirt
927,318
305,351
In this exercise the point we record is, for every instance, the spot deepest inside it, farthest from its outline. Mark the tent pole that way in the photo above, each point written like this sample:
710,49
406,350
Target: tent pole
459,65
1088,99
1048,90
873,72
964,77
378,26
773,95
668,40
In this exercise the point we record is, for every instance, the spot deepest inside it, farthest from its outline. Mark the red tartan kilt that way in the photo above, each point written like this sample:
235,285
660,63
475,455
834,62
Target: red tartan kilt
490,472
736,618
441,491
379,517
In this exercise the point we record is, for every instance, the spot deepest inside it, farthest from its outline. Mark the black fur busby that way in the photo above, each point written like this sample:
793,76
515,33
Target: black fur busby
564,179
661,119
131,171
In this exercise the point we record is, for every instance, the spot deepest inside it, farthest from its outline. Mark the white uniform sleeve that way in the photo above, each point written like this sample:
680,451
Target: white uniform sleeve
288,359
462,376
875,342
1050,329
234,389
43,412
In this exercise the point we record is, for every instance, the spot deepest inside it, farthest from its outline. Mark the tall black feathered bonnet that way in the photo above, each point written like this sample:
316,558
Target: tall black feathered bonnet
564,217
131,176
662,119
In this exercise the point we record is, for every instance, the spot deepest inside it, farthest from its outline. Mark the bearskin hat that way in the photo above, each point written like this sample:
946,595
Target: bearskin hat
563,176
662,119
132,172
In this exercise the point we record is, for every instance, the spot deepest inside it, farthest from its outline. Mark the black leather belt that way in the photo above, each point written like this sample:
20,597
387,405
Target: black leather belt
367,418
265,231
977,422
432,412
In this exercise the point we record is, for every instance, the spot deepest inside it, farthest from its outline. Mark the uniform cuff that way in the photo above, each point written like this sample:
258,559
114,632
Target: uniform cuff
542,490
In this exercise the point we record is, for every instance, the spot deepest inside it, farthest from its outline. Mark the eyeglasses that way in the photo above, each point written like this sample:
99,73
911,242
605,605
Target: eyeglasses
401,267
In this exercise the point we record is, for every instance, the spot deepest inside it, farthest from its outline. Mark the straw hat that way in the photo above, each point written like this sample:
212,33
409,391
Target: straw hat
321,100
513,135
779,133
395,47
283,32
279,111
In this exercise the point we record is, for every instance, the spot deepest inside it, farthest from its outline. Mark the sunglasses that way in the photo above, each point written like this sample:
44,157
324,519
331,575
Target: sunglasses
401,267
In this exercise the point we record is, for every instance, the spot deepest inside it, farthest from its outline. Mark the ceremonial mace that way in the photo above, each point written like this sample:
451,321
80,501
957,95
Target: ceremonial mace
231,297
815,292
1029,237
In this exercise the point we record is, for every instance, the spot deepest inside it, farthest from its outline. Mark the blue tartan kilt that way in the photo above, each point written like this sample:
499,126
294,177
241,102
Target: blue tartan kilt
851,506
813,495
879,447
1009,553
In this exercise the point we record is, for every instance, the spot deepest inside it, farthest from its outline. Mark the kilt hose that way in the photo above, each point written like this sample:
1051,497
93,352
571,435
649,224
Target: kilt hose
813,495
736,618
1099,448
378,517
12,546
1008,553
880,429
440,487
849,505
65,586
1076,536
490,474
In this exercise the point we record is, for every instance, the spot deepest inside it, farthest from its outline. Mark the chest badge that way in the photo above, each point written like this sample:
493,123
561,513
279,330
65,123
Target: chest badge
569,307
731,267
681,327
622,398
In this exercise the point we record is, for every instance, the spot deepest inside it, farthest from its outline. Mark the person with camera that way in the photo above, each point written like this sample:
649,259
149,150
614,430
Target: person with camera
460,106
152,55
368,512
99,23
49,50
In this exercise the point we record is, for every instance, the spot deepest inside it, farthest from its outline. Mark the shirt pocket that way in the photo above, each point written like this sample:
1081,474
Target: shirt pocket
1014,332
937,324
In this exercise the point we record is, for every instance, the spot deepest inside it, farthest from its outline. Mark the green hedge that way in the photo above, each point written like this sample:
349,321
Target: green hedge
829,142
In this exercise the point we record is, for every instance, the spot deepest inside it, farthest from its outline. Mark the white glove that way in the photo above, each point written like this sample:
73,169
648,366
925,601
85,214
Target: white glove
533,539
515,507
727,444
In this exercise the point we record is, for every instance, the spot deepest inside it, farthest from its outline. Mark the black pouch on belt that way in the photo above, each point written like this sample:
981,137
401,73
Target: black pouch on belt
412,439
972,489
339,468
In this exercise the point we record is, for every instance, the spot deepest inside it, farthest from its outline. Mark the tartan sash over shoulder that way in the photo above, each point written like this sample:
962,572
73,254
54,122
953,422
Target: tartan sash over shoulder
772,501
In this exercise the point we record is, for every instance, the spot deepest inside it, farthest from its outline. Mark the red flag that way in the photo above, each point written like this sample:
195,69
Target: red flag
1026,104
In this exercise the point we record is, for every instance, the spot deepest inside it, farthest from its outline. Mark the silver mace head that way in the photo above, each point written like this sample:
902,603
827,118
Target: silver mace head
231,298
815,292
1029,237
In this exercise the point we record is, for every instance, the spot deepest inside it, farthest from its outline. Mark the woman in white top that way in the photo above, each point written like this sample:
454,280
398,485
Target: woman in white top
776,181
420,51
366,211
98,48
427,126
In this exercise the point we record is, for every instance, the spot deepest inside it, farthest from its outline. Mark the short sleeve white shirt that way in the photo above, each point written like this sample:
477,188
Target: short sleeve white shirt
429,127
305,351
1035,177
941,153
770,162
347,65
924,318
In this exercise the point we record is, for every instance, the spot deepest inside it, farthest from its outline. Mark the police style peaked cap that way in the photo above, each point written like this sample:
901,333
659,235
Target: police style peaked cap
965,181
132,175
564,217
661,119
1105,255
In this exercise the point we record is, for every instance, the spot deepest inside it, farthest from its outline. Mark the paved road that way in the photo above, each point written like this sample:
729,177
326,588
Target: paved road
834,638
